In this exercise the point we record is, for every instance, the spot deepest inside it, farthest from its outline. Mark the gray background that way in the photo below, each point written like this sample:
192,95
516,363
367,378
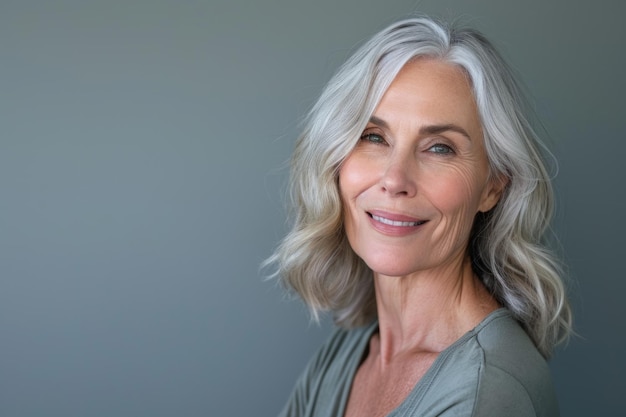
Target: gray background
142,153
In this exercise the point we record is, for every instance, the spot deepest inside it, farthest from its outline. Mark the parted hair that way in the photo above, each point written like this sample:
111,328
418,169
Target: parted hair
507,244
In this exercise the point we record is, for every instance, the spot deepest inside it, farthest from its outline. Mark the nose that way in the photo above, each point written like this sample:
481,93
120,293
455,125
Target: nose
400,176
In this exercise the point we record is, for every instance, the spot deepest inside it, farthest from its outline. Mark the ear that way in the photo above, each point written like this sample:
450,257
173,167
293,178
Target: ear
492,192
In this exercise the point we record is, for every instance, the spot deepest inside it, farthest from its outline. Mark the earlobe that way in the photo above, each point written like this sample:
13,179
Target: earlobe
492,193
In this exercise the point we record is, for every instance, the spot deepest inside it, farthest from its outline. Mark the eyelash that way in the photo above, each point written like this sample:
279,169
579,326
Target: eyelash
368,137
379,140
448,149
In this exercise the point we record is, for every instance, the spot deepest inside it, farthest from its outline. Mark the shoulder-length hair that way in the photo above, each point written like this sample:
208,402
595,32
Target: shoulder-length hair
506,245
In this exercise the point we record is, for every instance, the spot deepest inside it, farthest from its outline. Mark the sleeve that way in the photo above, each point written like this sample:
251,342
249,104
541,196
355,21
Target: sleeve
501,394
309,388
300,395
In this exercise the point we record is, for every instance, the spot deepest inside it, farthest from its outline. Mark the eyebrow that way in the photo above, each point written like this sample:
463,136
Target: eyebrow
427,130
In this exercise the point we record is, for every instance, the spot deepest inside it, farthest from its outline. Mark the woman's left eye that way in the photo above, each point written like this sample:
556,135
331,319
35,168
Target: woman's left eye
442,149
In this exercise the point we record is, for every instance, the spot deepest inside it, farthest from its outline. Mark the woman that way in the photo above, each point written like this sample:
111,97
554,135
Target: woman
420,200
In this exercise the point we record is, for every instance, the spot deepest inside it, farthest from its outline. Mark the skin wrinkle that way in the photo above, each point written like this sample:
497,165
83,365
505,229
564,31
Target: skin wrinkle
506,250
421,157
426,130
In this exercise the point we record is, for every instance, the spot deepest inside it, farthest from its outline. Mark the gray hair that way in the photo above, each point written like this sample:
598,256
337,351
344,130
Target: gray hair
506,246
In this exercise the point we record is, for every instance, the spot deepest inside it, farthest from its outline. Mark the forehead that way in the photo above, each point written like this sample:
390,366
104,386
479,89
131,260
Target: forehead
431,91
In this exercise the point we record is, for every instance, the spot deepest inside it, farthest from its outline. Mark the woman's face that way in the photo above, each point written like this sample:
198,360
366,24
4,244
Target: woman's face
419,174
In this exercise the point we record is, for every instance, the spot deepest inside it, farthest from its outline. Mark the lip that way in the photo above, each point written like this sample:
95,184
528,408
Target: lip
394,224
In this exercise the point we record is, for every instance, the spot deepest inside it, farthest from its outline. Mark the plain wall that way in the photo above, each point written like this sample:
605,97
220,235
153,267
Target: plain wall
142,154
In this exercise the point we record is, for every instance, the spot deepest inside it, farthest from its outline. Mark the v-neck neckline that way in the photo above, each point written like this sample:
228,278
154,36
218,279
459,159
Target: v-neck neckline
432,371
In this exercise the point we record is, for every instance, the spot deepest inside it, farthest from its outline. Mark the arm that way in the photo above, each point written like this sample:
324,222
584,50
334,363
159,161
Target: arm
501,394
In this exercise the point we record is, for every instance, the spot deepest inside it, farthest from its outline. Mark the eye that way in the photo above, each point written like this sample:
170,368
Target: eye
373,138
441,149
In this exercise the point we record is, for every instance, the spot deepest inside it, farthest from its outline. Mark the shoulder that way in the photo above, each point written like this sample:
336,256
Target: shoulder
342,346
493,370
515,379
324,386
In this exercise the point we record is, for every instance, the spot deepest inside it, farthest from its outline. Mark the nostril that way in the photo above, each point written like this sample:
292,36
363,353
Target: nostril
398,184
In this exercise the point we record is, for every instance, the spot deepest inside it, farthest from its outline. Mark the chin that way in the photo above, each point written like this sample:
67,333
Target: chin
391,267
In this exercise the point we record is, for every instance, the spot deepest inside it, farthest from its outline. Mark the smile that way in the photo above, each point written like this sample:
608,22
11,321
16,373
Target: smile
395,222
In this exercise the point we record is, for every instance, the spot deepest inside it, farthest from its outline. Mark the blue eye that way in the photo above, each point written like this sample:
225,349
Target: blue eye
441,149
373,138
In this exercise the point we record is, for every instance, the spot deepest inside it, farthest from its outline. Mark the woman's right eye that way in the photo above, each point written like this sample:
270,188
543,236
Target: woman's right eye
373,138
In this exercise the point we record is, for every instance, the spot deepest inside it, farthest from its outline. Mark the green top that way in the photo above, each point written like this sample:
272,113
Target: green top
492,370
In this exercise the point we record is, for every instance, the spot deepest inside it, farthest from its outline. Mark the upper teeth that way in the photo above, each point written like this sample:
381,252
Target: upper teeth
394,222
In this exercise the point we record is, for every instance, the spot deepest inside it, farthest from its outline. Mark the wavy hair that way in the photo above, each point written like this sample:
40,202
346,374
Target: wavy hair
506,247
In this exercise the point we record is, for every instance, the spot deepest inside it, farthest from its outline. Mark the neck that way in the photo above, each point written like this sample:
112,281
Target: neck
429,310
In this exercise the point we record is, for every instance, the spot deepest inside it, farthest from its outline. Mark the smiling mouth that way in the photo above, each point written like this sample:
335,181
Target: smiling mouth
390,222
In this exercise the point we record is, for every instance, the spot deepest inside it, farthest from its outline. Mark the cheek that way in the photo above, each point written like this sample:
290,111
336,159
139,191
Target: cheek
456,190
457,199
346,179
348,191
355,176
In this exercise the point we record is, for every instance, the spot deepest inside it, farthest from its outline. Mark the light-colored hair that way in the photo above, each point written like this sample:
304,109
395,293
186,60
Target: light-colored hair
506,245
